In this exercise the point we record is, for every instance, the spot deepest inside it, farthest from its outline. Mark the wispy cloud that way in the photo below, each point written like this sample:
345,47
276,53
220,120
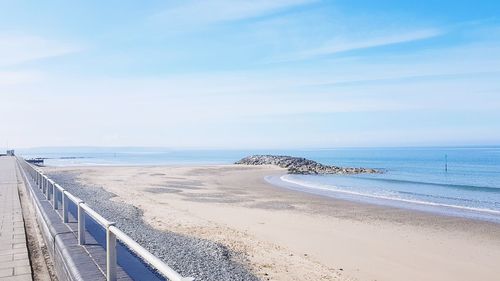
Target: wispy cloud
15,49
215,11
18,77
340,45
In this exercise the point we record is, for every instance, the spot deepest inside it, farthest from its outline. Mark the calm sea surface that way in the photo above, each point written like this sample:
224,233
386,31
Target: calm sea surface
415,178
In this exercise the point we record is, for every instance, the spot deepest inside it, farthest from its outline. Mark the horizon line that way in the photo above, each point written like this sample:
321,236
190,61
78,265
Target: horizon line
254,148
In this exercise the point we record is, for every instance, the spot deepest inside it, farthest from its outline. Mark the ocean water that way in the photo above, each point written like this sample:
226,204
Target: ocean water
414,178
460,181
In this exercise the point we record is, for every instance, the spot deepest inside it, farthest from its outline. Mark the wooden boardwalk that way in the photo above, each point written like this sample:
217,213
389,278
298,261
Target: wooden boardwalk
14,259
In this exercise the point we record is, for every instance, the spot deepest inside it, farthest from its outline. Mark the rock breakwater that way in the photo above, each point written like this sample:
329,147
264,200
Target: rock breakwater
298,165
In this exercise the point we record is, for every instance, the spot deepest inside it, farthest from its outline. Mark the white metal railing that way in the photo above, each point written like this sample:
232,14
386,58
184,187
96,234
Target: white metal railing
51,190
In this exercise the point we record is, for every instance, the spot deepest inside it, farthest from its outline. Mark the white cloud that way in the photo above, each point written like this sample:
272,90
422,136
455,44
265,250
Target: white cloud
15,49
215,11
18,77
348,43
181,109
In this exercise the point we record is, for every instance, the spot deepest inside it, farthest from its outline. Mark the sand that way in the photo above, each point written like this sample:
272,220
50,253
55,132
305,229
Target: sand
289,235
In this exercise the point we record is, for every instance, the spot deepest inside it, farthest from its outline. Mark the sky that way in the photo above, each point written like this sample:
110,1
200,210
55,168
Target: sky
249,74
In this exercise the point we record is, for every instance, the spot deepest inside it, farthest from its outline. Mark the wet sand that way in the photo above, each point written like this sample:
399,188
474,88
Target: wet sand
288,235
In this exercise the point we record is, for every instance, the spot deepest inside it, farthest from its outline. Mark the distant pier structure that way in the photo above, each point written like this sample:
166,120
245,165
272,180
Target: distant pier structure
10,152
36,161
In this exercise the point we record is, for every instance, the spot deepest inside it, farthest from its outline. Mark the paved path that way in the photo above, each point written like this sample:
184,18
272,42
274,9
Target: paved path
14,261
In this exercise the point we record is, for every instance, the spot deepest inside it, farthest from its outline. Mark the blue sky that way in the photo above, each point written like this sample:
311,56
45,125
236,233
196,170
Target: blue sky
249,74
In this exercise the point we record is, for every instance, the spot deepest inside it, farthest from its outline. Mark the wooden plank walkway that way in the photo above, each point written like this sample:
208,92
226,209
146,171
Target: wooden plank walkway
14,260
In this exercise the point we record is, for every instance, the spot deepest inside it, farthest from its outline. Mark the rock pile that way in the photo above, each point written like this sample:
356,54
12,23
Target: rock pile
298,165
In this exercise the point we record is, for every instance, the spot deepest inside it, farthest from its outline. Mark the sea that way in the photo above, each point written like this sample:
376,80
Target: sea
455,181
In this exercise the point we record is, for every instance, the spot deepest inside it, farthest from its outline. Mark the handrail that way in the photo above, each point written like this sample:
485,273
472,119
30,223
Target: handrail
150,258
98,218
61,189
112,232
73,198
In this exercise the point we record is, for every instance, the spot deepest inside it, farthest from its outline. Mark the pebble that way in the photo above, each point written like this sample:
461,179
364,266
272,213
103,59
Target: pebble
189,256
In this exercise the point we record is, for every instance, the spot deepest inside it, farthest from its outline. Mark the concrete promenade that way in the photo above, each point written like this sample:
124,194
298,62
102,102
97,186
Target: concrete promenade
14,259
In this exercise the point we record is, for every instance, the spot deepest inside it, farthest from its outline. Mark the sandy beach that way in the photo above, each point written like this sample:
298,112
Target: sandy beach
288,235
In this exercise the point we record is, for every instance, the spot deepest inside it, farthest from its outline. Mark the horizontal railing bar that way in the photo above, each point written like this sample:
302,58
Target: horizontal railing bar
98,218
73,198
147,256
59,187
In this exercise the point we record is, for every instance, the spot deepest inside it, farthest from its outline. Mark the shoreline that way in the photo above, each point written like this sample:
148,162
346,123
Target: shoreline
437,209
284,233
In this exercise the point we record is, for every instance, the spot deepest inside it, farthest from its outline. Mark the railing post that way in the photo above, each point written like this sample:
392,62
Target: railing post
110,254
44,186
49,190
54,196
81,224
65,207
